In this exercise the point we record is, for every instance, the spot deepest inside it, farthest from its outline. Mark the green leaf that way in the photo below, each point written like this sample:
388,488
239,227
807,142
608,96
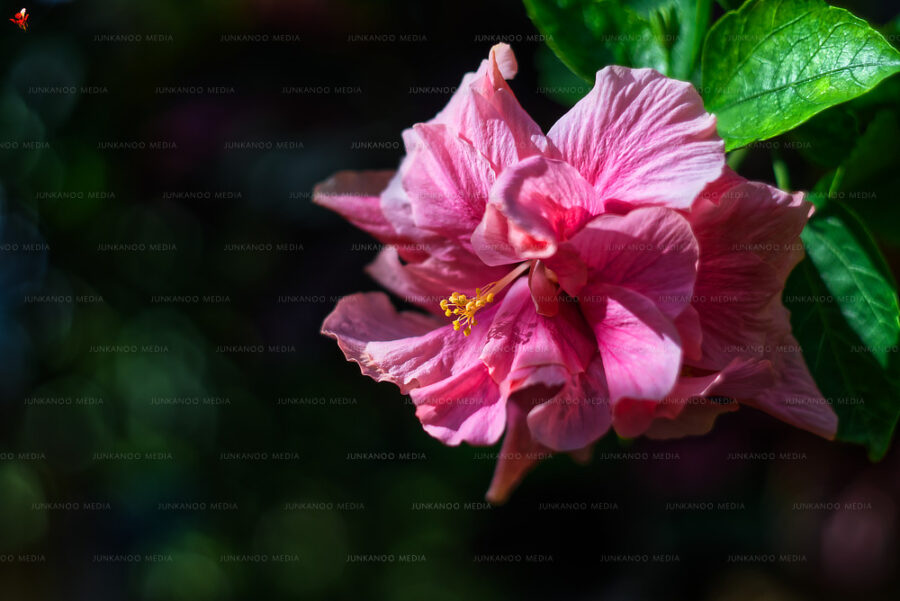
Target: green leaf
837,243
730,4
556,80
844,313
828,138
681,26
891,31
773,64
870,178
588,35
874,154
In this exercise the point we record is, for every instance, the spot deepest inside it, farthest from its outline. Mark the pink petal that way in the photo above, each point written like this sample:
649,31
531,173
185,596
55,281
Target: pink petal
691,333
575,417
641,138
495,239
427,282
397,207
499,128
446,181
416,244
542,381
467,406
485,112
455,397
695,402
500,65
518,455
639,345
697,418
544,292
650,250
755,218
632,417
355,196
727,180
408,349
520,341
749,241
731,296
794,398
543,201
570,268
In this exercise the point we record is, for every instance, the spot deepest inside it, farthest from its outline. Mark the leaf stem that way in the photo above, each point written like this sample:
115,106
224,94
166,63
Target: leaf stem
779,167
736,157
836,181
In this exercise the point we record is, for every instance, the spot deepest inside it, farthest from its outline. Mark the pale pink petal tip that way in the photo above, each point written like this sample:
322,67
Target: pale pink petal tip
503,56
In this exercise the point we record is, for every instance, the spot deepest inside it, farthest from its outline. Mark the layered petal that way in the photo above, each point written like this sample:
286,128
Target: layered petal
485,112
650,250
523,348
397,207
641,138
456,399
749,236
537,204
498,128
355,196
696,401
740,216
576,416
544,291
481,130
794,397
639,345
731,296
691,333
652,298
413,244
467,406
490,77
446,181
406,348
519,453
427,282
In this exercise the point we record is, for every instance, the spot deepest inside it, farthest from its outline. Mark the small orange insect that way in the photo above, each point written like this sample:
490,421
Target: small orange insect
21,19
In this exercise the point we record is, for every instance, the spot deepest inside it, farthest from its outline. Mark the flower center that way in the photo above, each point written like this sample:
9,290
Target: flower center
465,307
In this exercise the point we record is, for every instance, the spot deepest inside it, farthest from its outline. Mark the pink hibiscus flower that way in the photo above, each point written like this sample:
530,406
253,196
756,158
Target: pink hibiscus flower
611,273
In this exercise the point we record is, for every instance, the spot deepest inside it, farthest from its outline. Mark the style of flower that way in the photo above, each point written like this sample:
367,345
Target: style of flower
612,272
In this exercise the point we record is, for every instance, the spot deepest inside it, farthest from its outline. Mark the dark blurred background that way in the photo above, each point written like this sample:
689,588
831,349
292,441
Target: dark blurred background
173,426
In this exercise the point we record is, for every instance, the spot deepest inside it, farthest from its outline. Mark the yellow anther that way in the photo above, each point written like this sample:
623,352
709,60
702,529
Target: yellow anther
465,307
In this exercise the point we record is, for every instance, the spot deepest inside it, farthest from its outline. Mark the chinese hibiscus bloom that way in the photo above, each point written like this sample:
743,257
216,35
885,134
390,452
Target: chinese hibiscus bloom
611,273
